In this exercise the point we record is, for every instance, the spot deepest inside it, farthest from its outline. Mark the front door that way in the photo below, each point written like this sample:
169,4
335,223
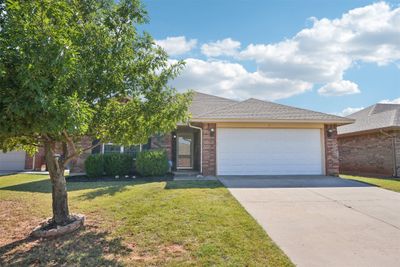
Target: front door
185,151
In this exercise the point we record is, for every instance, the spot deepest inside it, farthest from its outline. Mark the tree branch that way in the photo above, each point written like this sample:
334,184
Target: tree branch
77,153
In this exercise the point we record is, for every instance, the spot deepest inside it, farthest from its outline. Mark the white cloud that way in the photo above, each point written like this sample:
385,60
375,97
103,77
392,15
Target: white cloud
339,88
322,53
232,80
227,47
177,45
393,101
347,111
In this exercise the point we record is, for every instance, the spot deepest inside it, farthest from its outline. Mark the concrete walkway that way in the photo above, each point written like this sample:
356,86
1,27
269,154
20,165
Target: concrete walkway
324,221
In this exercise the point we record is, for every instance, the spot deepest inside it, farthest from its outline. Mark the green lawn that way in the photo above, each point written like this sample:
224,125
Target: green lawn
390,184
174,223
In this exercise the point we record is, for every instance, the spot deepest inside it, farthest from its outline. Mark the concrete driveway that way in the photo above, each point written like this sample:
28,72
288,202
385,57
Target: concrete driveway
324,221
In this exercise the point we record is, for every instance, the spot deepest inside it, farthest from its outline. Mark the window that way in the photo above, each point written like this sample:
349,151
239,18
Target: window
110,148
97,149
132,150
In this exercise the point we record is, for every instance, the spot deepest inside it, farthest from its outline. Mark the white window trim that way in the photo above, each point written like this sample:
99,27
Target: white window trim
122,149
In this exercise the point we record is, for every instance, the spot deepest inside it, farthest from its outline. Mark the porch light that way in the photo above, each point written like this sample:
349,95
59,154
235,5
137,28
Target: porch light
212,132
329,132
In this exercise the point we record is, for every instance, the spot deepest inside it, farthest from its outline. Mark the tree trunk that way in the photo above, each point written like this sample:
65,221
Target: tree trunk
59,188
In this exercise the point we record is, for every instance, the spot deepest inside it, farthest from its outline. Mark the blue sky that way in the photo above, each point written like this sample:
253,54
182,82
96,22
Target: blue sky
330,56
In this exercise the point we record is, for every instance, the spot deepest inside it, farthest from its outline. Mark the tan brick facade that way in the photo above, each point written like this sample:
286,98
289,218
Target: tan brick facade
370,154
331,150
209,149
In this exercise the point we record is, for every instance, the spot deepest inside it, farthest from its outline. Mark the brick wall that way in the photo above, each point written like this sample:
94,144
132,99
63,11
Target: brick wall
209,149
163,141
331,150
369,154
78,165
39,160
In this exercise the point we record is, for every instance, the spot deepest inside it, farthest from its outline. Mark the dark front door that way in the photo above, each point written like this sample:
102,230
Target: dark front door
185,151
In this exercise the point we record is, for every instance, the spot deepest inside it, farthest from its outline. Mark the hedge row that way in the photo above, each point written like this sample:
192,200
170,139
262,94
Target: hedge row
152,163
108,164
148,163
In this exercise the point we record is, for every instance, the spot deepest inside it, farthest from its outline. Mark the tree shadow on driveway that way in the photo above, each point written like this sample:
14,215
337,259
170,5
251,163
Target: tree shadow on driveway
289,181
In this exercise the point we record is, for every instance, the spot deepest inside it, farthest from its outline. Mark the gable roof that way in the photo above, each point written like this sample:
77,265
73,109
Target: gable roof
375,117
203,103
257,110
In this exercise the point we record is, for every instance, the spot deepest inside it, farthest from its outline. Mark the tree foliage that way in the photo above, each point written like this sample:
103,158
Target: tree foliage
81,68
73,68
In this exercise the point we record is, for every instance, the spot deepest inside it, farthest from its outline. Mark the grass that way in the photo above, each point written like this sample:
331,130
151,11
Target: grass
387,183
138,223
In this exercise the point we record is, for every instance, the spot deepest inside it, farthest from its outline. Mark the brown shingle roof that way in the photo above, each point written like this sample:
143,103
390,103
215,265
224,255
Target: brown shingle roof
203,103
258,110
375,117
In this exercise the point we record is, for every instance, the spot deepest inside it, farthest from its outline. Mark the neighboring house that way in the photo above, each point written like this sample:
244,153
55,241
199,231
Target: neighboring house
19,160
371,145
251,137
12,161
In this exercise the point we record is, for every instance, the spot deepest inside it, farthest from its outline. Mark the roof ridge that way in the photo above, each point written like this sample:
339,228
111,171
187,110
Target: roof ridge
394,116
197,92
371,112
269,103
228,106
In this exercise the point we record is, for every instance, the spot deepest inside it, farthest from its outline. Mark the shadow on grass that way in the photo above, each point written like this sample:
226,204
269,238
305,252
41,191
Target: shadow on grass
44,186
193,184
86,247
108,190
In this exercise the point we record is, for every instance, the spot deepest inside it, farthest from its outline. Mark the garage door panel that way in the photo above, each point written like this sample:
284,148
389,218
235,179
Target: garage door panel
268,151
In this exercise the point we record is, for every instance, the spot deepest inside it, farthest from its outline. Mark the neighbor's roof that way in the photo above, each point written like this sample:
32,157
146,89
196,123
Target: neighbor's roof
375,117
212,108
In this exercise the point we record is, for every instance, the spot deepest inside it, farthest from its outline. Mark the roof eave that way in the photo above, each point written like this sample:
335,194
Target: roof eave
214,120
389,128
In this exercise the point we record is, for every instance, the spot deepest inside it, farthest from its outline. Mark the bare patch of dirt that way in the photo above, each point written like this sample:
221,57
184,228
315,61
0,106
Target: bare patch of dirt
85,247
174,249
16,222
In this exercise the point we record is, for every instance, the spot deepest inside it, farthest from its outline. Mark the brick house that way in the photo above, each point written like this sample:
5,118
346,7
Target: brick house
371,145
251,137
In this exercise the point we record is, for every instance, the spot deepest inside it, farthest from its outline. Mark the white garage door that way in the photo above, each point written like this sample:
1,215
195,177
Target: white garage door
250,151
12,161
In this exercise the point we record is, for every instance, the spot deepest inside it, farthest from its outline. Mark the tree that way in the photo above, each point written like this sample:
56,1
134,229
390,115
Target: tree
73,68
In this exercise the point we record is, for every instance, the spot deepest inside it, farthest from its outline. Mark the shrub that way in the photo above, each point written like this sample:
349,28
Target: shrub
117,164
94,166
152,163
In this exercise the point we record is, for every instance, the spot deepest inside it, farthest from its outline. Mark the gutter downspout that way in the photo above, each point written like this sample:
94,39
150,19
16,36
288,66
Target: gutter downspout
201,144
394,152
